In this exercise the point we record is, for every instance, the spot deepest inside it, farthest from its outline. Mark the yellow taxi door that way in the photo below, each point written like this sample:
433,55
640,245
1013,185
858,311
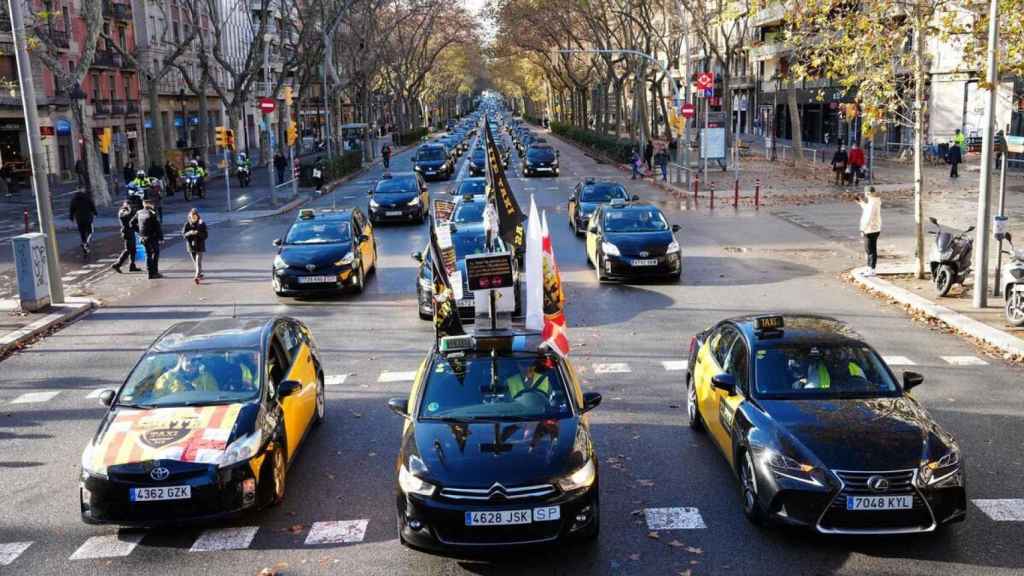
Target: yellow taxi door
592,241
736,363
705,369
362,227
298,408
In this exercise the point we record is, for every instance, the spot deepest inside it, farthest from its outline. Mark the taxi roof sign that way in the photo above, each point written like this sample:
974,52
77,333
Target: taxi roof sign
618,202
450,344
307,214
769,323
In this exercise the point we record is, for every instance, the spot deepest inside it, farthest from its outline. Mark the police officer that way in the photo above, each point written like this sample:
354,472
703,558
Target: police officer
147,224
124,215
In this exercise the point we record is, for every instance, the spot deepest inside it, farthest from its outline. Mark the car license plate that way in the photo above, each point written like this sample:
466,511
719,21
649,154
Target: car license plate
161,493
315,279
512,517
905,502
393,213
466,303
651,262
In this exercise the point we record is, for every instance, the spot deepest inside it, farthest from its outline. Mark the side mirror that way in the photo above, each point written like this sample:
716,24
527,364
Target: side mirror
277,242
676,227
911,380
399,406
591,400
725,382
287,388
417,256
369,192
634,198
107,397
933,220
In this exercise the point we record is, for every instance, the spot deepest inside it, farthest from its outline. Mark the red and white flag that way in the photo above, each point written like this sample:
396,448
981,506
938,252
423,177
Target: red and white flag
555,333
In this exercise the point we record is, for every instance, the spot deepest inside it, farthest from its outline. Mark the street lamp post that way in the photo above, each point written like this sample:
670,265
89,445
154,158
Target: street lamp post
981,246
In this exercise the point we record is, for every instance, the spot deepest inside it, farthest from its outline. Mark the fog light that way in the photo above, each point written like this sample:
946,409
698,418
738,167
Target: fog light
415,524
581,518
249,489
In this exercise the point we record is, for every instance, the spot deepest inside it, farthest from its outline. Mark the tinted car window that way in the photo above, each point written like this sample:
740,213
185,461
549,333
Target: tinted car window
319,232
722,342
637,220
398,184
544,154
466,244
469,212
602,192
472,187
200,377
821,371
431,154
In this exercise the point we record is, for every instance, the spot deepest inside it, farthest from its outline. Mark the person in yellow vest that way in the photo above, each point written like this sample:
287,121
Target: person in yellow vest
818,375
529,376
186,375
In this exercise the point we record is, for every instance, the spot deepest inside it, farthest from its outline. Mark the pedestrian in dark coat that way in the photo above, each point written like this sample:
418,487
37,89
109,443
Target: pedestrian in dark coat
279,165
124,215
82,212
195,234
147,224
634,163
661,159
839,164
954,157
649,155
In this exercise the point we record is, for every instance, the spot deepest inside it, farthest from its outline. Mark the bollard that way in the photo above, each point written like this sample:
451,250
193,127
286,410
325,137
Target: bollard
711,190
26,221
736,195
757,193
696,186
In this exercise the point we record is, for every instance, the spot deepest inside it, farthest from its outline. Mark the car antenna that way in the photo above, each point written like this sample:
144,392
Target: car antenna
234,309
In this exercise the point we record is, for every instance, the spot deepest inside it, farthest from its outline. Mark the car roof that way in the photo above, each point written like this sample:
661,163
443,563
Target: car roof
799,328
323,214
213,334
629,207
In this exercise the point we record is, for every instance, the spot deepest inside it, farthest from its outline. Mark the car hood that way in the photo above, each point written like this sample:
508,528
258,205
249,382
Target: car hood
394,197
429,163
316,254
859,434
630,244
513,453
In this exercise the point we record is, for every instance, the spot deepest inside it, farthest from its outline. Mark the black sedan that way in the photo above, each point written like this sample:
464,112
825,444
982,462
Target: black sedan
399,197
324,251
432,161
590,194
632,241
540,159
496,451
206,424
478,162
820,432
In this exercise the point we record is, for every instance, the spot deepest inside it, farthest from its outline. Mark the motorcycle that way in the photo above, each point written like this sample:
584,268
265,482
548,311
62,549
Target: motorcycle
136,194
1013,285
950,258
192,187
243,176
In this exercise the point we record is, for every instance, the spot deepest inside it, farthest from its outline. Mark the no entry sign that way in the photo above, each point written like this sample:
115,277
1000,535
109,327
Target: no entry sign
267,105
687,110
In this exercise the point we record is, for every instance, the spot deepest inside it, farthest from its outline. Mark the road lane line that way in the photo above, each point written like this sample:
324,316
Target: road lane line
386,376
109,546
335,379
34,397
674,519
9,552
898,361
675,365
612,368
964,361
338,532
217,539
1006,510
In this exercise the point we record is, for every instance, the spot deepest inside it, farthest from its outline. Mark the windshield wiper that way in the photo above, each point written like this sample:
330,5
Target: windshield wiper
136,406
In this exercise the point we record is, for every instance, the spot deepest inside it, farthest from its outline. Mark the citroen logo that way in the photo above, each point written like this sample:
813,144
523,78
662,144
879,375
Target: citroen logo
159,473
878,484
497,491
644,254
310,267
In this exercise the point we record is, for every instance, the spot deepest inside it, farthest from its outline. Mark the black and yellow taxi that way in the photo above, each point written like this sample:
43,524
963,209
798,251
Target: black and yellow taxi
632,241
496,447
819,430
399,197
324,251
206,424
588,195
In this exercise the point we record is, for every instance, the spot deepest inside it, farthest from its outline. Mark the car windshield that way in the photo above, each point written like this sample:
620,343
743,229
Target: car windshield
473,187
640,220
318,232
527,387
469,212
192,378
397,185
821,371
541,154
469,243
602,193
430,154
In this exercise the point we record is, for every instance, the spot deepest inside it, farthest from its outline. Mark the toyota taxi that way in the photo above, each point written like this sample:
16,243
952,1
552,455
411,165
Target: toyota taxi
324,251
632,242
205,425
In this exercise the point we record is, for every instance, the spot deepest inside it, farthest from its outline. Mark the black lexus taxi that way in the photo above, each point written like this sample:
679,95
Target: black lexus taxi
496,447
819,431
206,424
588,195
399,197
324,251
632,241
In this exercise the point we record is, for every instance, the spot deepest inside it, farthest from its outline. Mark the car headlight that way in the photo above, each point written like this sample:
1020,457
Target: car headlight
241,449
416,167
279,262
346,259
373,203
938,470
415,201
581,478
88,464
410,483
610,249
672,248
786,467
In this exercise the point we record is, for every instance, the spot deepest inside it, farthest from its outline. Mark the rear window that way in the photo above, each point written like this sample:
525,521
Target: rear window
430,154
602,193
472,187
469,212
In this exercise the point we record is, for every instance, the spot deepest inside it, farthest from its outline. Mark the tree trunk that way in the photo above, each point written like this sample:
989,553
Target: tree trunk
619,105
155,135
98,183
919,80
794,122
204,117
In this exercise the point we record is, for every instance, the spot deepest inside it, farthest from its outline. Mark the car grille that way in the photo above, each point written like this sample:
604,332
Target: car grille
490,535
856,483
498,493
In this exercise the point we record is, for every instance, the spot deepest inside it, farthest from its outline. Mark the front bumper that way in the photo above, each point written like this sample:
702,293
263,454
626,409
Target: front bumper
216,493
475,170
396,213
331,279
433,172
621,267
442,522
540,170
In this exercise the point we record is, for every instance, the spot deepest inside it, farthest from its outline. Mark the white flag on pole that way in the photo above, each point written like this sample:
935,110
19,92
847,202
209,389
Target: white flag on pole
534,271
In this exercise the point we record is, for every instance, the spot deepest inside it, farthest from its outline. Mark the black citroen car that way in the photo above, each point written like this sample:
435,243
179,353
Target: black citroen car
399,197
819,430
632,242
496,449
205,425
432,161
540,159
324,251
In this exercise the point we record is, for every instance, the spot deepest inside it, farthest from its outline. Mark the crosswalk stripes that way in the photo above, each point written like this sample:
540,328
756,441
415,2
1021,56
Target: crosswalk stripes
675,365
612,368
1003,510
35,397
674,519
898,361
387,376
217,539
335,379
10,551
964,361
109,546
337,532
95,393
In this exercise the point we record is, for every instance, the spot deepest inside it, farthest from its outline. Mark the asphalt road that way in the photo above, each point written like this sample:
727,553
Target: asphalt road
628,343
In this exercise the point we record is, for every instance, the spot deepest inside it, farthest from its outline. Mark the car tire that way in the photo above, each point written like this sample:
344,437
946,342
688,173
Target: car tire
360,283
694,419
273,477
321,402
748,490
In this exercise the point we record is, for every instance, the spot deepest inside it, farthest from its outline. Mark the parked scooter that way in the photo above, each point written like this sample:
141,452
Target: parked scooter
1013,285
951,257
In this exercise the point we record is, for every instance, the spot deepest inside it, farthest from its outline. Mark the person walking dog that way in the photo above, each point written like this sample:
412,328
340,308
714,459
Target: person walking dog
871,225
195,235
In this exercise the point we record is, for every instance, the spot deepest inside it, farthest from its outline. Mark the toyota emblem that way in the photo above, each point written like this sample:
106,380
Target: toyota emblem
159,473
878,484
310,267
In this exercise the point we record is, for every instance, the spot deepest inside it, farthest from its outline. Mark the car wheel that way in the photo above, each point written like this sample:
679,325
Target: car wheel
360,282
748,490
1015,309
274,477
694,418
321,401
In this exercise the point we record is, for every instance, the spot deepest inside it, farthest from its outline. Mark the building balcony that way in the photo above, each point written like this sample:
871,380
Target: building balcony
117,107
131,108
117,10
106,59
772,14
768,50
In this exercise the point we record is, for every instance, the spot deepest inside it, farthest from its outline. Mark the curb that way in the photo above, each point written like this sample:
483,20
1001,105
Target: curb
1011,346
72,310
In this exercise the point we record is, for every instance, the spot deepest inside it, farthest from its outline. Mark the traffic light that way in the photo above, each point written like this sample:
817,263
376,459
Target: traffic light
105,139
288,95
221,136
293,134
230,138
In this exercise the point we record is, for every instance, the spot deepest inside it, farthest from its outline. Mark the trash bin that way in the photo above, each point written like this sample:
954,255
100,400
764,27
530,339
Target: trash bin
140,252
31,267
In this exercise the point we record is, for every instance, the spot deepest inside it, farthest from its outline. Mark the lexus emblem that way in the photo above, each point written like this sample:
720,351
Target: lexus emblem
645,254
159,473
878,484
310,267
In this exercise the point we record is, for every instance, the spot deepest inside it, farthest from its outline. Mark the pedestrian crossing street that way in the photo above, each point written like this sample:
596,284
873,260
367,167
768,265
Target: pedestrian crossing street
600,369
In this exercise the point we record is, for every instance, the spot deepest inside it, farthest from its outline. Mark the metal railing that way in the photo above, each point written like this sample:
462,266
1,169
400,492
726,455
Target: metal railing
679,174
781,148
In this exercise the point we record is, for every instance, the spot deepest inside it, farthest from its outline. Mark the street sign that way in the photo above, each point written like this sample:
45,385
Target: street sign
705,80
687,110
489,271
267,105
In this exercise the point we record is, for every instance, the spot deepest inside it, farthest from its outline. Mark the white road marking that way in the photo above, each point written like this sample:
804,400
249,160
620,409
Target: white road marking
9,552
1007,510
34,397
335,379
612,368
96,393
898,361
386,376
340,532
964,361
217,539
107,260
109,546
674,519
675,365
